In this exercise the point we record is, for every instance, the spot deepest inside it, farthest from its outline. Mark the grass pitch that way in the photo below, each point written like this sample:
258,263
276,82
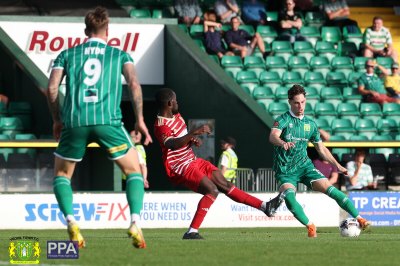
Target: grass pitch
232,246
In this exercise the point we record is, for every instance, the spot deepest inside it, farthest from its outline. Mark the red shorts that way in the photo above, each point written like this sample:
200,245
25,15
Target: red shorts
195,172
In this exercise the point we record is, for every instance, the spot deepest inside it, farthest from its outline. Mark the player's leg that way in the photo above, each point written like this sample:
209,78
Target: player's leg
324,186
69,151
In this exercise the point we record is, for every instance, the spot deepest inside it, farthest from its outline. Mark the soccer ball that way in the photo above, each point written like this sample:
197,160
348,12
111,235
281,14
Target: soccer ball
350,228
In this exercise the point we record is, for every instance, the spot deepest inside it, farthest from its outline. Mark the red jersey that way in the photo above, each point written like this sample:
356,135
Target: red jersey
175,161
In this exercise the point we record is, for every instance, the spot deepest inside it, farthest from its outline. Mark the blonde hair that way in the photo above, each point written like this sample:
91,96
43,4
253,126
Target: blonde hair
96,21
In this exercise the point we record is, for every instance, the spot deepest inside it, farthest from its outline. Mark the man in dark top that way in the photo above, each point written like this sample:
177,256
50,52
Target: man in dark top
213,38
290,23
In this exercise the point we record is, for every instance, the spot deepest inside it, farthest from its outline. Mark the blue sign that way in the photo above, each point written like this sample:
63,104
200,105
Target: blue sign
62,250
381,208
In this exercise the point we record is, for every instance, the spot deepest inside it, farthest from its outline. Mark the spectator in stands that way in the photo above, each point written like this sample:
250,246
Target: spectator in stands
228,162
4,99
188,11
241,42
328,170
391,80
378,41
371,86
213,38
338,13
254,13
226,10
290,23
359,173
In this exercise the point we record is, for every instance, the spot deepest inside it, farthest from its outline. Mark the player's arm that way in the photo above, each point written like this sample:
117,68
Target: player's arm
191,136
136,93
275,139
56,76
327,155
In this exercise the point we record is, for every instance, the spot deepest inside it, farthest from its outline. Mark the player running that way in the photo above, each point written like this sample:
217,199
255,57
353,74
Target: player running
290,135
91,113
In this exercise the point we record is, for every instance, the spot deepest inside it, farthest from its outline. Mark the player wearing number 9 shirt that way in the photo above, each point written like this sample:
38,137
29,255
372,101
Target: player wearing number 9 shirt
91,113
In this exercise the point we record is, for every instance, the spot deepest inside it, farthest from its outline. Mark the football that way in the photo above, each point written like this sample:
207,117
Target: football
350,228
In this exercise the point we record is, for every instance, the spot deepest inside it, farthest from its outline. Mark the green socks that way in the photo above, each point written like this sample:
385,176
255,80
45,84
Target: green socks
342,200
63,191
135,192
294,207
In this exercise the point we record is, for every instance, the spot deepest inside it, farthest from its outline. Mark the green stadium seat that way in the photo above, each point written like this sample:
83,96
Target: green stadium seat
320,64
246,76
23,111
215,58
351,95
353,37
322,123
358,138
249,28
268,33
5,151
184,28
325,109
311,33
343,127
246,88
140,13
200,44
291,78
309,110
275,109
326,49
332,95
282,48
233,64
11,126
316,19
386,151
353,78
340,152
388,126
270,79
276,64
359,63
371,111
264,95
3,109
26,137
312,95
314,79
336,79
304,48
298,64
337,138
384,61
366,127
392,111
272,16
331,34
348,49
255,64
196,31
342,64
281,94
348,111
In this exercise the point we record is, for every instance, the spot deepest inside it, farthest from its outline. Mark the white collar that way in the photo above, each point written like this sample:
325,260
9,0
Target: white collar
299,117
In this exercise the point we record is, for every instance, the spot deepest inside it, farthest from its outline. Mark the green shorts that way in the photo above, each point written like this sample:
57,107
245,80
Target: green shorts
306,175
114,139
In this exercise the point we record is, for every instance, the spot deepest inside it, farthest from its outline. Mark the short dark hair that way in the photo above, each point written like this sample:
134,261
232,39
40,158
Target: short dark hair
377,18
296,90
163,96
229,140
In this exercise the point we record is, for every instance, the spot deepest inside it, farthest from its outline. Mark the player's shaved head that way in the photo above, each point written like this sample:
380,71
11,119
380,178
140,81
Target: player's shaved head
96,21
163,96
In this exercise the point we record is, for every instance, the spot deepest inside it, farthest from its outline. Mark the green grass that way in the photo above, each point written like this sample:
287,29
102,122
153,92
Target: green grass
233,246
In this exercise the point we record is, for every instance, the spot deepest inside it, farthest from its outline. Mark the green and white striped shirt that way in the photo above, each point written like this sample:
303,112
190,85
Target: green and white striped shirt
299,131
93,83
377,39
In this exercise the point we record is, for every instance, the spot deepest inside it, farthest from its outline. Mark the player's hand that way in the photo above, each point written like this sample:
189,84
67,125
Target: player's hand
288,145
203,129
57,127
196,142
141,126
343,170
146,183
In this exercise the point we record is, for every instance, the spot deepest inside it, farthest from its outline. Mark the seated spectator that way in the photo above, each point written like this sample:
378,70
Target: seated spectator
338,13
328,170
254,13
371,86
359,173
378,41
188,11
226,10
392,80
213,38
241,42
290,23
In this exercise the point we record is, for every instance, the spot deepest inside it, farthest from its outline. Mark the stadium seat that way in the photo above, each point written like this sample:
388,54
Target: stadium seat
359,63
371,111
351,95
353,78
255,64
23,111
5,151
277,108
140,13
349,111
343,127
246,88
281,94
353,37
366,127
246,76
316,19
309,110
304,48
348,49
314,79
3,109
26,137
312,95
336,79
282,48
200,44
184,28
196,31
326,49
263,94
11,126
384,61
291,78
332,95
388,127
248,28
358,138
331,34
326,110
270,79
322,123
272,16
233,64
390,109
320,64
268,33
298,64
340,152
311,33
342,64
215,58
394,168
276,64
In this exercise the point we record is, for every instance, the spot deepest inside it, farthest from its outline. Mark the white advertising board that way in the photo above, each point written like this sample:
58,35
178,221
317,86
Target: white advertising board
160,210
43,41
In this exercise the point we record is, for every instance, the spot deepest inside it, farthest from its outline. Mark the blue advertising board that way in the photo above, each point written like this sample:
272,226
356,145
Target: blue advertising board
381,208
